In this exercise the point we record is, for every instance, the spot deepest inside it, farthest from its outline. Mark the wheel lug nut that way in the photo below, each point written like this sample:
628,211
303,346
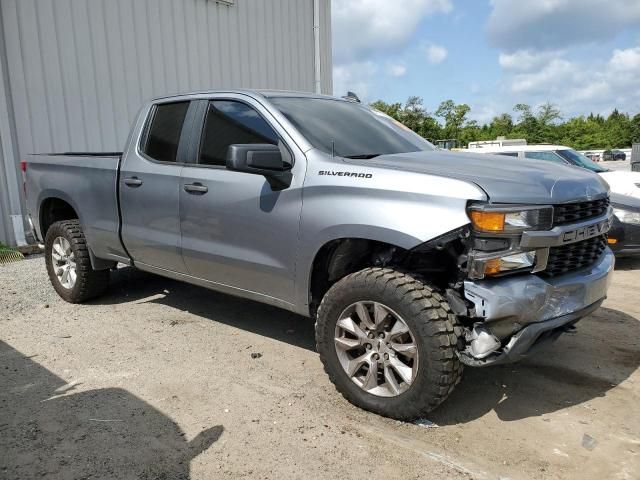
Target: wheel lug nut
368,346
381,335
371,335
386,356
375,356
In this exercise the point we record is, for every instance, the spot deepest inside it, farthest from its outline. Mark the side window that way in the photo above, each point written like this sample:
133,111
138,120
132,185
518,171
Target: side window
548,156
164,131
227,123
508,154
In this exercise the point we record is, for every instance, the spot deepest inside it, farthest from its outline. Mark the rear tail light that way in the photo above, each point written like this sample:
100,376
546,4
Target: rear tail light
23,166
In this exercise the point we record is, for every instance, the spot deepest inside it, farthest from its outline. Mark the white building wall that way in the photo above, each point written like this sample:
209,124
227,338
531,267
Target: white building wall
77,71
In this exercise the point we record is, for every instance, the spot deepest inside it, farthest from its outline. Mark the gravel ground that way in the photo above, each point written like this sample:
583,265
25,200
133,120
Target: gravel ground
162,380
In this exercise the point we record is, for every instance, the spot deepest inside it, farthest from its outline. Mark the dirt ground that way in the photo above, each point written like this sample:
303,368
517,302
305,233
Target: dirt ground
158,380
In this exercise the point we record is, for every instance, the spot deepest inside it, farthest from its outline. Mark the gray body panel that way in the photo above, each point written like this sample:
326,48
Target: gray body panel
245,238
242,235
150,212
504,181
86,183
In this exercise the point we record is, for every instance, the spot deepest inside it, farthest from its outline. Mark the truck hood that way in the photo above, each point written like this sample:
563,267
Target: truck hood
504,179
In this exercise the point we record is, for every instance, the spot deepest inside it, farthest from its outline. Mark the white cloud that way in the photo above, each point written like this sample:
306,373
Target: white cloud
436,53
397,70
550,24
362,27
626,60
354,77
556,73
576,86
525,60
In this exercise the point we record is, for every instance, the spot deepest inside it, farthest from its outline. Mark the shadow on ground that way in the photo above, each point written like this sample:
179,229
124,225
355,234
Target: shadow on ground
130,285
628,263
577,368
48,431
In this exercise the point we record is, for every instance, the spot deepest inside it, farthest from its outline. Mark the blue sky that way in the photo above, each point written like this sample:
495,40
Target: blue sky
582,55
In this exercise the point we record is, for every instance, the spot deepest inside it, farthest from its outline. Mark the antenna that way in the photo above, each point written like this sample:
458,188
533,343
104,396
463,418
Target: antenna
333,148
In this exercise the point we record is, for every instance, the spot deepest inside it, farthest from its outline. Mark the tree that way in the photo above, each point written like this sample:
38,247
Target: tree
548,113
501,125
635,129
542,125
454,117
412,115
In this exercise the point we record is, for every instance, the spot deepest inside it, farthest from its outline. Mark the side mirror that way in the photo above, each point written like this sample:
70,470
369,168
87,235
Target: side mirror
260,159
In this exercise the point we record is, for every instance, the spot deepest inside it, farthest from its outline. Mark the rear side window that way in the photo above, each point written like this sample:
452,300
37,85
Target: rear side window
508,154
228,123
548,156
164,131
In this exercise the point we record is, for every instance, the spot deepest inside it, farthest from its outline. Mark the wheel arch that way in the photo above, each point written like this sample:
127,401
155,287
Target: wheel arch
55,208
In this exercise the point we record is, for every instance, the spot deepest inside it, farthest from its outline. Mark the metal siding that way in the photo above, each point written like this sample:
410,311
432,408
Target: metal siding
79,70
6,230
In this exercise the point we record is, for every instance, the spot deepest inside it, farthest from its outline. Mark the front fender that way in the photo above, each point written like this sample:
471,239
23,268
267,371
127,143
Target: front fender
394,207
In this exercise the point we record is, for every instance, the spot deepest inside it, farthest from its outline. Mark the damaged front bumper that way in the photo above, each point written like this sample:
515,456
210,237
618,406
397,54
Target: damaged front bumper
523,311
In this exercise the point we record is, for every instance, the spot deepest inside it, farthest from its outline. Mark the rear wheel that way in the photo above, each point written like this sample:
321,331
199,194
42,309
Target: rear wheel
69,264
388,343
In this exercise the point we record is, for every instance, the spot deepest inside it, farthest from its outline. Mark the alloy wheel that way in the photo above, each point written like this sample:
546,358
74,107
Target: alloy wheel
376,348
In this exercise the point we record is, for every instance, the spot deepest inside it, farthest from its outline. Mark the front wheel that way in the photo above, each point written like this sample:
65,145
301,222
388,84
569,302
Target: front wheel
388,343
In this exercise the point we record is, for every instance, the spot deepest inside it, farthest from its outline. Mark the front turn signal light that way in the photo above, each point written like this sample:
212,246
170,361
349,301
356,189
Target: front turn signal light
492,267
612,241
488,221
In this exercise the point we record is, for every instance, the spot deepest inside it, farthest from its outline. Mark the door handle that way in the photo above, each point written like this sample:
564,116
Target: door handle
195,188
132,182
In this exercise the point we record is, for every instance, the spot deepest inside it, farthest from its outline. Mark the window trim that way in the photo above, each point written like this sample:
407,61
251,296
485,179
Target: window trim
196,143
187,125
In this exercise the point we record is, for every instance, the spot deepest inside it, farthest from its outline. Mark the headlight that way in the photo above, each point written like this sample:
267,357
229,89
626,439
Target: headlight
480,267
627,216
511,219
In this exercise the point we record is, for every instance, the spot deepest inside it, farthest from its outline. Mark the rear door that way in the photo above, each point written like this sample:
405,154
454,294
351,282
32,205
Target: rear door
150,186
237,231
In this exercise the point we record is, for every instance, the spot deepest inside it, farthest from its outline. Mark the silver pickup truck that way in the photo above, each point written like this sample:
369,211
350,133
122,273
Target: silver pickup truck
413,261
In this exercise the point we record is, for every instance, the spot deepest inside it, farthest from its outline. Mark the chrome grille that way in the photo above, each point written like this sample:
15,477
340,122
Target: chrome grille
574,256
578,211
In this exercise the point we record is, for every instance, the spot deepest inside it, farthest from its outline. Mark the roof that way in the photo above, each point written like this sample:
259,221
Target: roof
517,148
251,92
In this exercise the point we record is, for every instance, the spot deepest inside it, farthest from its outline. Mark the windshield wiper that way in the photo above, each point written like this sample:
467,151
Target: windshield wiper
365,156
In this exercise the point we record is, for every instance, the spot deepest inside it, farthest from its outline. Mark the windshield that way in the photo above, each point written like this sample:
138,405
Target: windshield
575,158
348,129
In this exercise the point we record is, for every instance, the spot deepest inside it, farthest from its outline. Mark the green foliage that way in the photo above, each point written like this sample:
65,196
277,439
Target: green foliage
542,125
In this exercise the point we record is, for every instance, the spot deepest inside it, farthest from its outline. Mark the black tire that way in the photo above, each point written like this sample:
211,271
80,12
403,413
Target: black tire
433,326
89,283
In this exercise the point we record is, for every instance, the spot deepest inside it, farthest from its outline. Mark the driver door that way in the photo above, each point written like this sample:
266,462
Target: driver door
237,231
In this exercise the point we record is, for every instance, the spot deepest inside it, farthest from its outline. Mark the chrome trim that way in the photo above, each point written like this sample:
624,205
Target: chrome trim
542,259
525,299
561,235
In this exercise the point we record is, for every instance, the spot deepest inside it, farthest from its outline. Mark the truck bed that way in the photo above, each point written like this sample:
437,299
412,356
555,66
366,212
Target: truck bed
88,182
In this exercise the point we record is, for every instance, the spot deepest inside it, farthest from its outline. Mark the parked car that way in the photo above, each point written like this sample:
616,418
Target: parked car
593,156
609,155
624,236
624,185
413,261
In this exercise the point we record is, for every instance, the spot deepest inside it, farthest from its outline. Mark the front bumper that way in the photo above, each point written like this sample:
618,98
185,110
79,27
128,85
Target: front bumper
530,338
520,305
